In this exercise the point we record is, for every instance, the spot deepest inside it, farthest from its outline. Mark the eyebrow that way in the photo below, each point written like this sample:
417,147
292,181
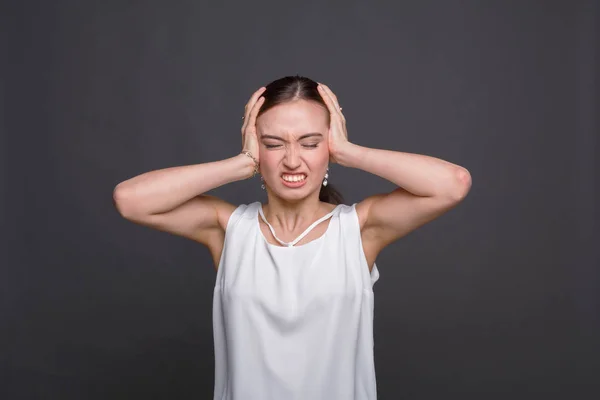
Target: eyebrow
306,135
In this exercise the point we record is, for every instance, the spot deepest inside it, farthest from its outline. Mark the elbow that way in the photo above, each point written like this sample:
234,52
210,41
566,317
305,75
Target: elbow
462,184
123,202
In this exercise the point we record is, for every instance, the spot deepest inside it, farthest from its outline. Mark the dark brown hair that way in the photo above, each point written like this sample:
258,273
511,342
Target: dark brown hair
292,88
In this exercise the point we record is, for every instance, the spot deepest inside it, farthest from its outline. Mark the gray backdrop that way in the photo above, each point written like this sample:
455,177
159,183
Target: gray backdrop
498,299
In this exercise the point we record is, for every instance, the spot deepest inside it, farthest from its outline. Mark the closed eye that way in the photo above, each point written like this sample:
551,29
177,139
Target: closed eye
276,146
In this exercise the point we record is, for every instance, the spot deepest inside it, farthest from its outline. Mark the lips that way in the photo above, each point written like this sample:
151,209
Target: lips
293,181
293,178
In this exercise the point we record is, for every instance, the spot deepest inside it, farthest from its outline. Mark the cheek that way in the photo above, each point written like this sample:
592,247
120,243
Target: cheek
320,158
324,151
268,161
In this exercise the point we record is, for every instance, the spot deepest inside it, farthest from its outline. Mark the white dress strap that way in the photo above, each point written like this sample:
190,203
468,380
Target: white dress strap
299,238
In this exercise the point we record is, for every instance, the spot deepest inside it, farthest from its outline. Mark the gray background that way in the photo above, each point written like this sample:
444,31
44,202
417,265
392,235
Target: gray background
497,299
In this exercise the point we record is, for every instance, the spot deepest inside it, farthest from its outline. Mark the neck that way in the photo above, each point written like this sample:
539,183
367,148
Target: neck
292,216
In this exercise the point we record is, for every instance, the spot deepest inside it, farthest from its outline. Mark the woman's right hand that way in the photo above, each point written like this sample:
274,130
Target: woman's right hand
249,135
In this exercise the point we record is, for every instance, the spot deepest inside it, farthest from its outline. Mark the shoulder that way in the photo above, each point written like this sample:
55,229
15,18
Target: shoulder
350,214
363,208
231,214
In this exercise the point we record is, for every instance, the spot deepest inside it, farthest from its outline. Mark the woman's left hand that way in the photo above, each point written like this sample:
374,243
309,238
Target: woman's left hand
338,135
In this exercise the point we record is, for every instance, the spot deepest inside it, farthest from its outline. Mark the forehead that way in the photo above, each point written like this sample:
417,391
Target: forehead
299,116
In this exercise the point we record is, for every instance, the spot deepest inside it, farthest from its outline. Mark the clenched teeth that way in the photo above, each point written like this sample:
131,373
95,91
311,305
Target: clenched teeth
293,178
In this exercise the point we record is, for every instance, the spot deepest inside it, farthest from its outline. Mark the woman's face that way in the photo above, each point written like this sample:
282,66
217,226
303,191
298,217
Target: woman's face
294,151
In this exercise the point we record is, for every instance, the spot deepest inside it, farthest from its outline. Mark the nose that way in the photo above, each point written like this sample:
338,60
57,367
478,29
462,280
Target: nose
291,159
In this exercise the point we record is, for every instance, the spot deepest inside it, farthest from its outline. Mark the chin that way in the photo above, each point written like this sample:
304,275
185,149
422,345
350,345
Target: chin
293,195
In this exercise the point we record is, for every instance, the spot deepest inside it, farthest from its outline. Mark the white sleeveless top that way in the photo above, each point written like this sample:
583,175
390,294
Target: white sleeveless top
295,322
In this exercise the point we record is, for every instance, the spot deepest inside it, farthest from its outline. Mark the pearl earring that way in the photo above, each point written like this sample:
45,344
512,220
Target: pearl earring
262,186
326,176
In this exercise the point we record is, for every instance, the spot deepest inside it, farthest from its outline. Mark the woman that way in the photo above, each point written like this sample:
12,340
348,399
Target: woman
293,299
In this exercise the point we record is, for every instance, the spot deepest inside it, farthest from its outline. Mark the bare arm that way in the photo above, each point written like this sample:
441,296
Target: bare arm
427,186
173,200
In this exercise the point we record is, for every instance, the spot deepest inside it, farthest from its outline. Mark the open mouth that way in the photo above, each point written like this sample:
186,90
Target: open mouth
293,178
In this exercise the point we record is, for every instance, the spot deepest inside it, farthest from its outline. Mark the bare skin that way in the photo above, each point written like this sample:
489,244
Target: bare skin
173,199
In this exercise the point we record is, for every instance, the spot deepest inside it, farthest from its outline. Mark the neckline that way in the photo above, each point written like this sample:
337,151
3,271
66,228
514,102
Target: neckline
329,215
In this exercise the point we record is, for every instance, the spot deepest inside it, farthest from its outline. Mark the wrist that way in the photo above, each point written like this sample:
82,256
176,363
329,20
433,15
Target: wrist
250,165
347,154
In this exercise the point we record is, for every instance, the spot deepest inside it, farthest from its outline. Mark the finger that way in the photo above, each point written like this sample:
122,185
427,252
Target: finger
252,101
332,96
336,102
330,92
331,101
327,99
250,105
250,121
254,97
254,111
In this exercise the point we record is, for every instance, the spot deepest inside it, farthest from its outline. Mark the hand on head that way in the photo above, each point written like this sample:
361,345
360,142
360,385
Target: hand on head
338,134
249,135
